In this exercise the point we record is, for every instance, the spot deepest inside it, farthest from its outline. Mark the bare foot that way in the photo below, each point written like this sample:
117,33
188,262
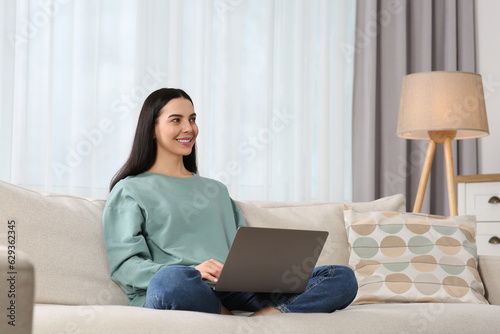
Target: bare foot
265,311
225,311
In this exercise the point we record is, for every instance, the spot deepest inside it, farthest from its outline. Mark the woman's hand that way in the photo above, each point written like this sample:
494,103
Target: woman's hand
210,269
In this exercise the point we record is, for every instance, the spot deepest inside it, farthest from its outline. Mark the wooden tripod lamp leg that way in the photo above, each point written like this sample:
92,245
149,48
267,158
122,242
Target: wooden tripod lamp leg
424,177
450,176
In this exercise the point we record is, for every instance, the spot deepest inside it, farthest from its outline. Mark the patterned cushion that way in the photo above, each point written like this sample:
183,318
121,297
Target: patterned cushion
405,257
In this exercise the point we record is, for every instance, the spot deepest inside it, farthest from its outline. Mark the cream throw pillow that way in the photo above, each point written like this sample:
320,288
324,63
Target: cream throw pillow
325,216
322,217
405,257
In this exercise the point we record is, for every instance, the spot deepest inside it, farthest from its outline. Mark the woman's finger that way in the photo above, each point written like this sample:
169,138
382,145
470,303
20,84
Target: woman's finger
210,269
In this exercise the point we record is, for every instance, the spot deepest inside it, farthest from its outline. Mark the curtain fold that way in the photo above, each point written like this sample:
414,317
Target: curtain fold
395,38
271,84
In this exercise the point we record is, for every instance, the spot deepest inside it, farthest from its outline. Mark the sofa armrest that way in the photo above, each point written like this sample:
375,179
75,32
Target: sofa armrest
489,269
17,291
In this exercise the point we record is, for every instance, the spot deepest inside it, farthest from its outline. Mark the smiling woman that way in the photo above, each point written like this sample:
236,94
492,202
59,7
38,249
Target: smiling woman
162,241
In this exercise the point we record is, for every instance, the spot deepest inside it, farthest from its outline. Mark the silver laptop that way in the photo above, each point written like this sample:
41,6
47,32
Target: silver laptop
270,260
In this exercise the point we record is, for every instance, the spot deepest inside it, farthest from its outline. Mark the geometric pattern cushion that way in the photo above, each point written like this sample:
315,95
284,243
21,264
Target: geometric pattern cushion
407,257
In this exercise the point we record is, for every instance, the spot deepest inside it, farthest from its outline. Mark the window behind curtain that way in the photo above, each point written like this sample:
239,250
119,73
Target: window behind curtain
271,82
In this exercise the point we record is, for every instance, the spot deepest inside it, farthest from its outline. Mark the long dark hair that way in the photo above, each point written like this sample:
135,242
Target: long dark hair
143,153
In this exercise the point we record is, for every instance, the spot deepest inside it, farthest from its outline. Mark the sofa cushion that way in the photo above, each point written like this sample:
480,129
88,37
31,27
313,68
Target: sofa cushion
315,215
405,257
63,237
324,217
390,203
489,268
381,318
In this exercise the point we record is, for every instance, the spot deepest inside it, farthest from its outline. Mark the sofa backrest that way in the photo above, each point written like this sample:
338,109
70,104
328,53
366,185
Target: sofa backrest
62,234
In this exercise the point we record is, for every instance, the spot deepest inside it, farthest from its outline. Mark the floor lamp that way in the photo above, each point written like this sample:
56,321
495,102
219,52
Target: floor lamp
441,106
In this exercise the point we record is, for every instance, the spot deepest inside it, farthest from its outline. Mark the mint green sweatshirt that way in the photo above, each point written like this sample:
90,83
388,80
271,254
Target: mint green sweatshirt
152,220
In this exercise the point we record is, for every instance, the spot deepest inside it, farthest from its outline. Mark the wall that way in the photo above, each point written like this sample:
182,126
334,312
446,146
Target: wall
488,65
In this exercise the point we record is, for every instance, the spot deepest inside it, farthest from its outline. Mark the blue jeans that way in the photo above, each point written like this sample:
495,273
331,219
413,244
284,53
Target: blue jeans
181,288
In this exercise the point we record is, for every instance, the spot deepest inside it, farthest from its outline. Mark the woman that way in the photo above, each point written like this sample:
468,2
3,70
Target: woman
167,229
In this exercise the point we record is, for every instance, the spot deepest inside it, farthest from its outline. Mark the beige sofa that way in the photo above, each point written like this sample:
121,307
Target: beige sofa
59,238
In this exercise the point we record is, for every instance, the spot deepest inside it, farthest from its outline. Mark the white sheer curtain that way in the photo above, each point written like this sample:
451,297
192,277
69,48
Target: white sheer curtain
271,82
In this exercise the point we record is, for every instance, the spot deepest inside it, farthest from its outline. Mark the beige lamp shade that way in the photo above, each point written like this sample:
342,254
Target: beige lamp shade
441,101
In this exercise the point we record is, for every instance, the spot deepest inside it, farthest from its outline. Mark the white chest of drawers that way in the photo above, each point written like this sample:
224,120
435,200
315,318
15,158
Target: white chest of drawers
479,195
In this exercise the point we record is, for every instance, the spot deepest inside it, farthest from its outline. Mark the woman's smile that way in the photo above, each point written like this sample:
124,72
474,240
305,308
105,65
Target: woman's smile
185,141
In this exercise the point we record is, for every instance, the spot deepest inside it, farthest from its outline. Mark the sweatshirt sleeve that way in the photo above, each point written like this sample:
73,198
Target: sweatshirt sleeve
238,215
130,261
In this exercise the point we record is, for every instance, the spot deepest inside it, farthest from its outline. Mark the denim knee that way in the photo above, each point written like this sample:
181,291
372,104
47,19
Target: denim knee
181,288
350,284
330,288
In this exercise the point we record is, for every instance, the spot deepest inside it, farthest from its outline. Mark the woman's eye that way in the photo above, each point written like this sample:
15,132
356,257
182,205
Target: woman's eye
176,120
193,119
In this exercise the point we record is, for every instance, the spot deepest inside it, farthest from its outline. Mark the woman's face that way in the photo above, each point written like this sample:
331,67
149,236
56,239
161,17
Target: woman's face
176,129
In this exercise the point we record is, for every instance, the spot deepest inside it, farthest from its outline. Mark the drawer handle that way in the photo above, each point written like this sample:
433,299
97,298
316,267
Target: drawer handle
494,240
494,200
